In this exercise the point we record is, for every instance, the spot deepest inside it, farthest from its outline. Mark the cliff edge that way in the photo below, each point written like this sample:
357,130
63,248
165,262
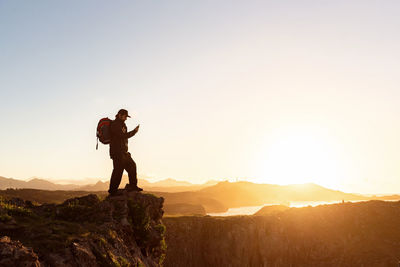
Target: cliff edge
343,234
125,230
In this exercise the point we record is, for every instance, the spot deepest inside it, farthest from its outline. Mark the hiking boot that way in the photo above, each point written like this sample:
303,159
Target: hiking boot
131,188
138,189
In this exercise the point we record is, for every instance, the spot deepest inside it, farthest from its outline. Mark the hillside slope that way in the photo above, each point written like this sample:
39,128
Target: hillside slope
241,194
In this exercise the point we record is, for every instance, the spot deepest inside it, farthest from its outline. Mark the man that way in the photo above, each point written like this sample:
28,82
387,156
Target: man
122,159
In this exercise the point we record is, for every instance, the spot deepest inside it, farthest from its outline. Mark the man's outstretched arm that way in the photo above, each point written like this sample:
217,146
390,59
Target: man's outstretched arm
116,130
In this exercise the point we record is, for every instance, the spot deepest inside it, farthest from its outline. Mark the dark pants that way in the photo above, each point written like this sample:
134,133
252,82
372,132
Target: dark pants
120,164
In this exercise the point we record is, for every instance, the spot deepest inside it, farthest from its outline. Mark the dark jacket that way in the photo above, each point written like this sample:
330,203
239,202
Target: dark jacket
119,138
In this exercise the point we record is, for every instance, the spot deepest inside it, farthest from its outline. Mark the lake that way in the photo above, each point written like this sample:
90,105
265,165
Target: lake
250,210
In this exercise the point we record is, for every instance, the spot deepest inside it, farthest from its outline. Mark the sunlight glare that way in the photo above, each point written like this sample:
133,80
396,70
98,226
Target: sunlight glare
301,157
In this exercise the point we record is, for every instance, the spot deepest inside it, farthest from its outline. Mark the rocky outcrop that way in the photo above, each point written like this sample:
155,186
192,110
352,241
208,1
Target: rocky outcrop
124,230
346,234
13,253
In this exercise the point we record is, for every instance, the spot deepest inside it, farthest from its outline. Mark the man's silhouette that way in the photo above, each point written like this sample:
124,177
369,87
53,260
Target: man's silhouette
122,159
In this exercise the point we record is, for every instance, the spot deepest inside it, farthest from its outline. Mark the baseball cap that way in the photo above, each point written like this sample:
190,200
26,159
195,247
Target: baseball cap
123,112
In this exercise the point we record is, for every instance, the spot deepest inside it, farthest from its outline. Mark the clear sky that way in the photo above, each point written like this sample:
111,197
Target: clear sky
264,91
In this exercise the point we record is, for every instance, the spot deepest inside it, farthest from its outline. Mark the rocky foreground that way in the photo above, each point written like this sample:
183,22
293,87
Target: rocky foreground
346,234
120,231
127,231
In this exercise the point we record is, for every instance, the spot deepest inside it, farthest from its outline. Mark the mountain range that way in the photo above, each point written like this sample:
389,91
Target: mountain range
167,185
184,198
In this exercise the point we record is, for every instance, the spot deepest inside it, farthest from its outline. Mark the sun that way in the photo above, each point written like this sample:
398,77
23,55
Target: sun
300,156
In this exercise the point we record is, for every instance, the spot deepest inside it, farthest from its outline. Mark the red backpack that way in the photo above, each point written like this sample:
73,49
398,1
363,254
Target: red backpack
103,132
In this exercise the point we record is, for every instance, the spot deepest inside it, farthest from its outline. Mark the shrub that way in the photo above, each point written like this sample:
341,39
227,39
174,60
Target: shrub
140,222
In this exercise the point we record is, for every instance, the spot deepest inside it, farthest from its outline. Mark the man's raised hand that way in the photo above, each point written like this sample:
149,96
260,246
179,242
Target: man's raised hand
136,129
